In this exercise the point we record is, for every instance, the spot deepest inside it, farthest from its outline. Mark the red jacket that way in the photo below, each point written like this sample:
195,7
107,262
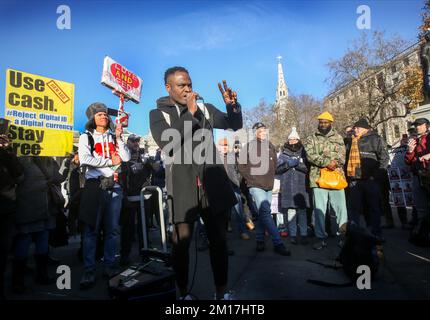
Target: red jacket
422,148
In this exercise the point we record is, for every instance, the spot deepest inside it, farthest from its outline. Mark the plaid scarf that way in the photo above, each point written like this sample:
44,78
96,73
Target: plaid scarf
354,157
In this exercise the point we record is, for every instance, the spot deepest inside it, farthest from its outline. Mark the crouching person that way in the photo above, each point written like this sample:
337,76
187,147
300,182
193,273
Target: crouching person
102,153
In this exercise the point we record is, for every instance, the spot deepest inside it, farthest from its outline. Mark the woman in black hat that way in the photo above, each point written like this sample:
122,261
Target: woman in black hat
102,153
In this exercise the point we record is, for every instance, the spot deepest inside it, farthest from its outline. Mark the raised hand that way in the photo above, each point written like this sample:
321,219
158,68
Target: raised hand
229,96
411,145
118,131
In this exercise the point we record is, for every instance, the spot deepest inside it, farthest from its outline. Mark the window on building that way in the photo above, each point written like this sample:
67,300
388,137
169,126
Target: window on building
406,62
362,88
393,68
396,131
395,80
337,99
395,112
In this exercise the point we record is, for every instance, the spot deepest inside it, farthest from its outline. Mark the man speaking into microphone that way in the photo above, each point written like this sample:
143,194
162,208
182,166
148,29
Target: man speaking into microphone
199,186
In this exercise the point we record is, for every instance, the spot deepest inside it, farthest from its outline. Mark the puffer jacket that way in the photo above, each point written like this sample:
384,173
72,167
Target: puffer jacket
294,180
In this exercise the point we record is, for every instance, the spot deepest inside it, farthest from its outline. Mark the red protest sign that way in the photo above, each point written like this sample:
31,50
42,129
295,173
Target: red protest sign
117,77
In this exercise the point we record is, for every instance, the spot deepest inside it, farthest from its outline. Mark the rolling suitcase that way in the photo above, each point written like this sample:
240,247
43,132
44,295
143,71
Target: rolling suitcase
153,278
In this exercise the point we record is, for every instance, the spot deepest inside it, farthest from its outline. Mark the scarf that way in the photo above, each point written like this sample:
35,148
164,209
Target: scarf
354,157
324,132
293,147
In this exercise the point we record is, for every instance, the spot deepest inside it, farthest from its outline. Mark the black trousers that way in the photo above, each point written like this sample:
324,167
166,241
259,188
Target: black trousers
364,195
216,233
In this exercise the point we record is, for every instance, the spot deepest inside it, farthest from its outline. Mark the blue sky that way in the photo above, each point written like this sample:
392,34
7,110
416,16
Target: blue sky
215,40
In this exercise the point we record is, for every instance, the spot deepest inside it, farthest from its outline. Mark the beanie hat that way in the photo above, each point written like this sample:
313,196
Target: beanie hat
294,134
325,116
362,123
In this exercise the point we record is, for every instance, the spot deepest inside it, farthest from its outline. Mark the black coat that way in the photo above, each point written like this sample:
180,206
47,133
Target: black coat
231,167
294,181
136,174
374,156
11,172
33,200
217,191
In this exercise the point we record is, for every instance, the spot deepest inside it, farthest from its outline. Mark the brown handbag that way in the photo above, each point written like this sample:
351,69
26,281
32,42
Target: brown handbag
331,179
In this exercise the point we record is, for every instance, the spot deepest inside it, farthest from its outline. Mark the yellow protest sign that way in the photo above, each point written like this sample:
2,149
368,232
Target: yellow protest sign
41,113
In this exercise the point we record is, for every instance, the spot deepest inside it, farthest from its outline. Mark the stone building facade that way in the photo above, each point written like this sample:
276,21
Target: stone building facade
391,75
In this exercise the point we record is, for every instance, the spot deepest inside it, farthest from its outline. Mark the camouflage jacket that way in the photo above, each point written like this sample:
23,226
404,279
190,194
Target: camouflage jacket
321,150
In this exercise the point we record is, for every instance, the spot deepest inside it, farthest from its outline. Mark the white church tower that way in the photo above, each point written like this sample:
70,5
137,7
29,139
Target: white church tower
281,103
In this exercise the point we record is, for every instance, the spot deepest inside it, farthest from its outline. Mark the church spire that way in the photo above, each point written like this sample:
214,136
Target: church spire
282,90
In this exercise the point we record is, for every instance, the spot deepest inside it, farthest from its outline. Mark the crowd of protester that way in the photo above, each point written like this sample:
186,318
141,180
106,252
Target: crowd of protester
105,174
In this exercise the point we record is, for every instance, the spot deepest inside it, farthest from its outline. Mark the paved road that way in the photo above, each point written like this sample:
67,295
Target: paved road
404,273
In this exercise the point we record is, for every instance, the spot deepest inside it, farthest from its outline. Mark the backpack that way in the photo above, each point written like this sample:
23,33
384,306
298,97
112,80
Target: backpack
91,140
109,181
360,248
